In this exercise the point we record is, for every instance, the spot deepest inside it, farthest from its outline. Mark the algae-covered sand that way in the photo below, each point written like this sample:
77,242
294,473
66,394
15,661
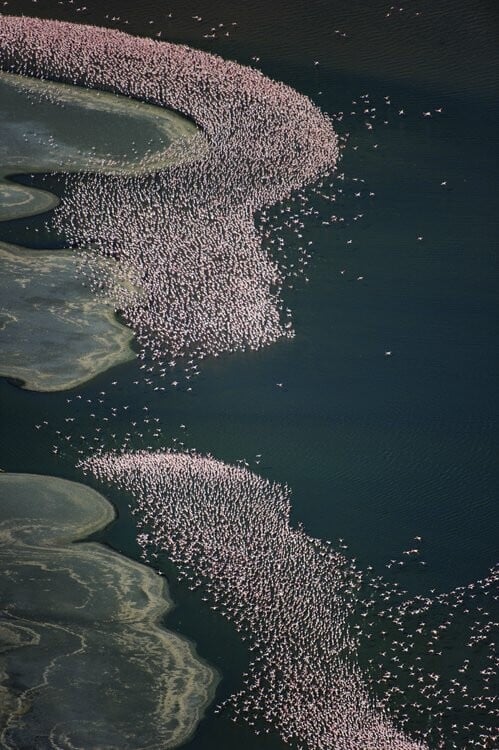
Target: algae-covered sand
55,333
84,661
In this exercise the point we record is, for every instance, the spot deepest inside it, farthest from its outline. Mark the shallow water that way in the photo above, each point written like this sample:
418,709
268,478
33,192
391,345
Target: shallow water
376,449
115,134
81,616
55,333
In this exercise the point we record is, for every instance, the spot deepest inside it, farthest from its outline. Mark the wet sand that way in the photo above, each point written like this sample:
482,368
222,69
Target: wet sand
55,333
84,661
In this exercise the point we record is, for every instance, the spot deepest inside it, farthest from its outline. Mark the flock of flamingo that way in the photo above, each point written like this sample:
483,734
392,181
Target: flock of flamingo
199,282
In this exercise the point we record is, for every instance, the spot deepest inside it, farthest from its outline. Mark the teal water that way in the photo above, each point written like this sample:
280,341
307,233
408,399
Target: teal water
376,449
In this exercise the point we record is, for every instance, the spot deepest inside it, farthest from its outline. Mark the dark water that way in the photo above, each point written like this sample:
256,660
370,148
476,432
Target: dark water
377,449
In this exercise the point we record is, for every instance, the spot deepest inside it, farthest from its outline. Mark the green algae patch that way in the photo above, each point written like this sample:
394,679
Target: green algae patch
84,661
55,333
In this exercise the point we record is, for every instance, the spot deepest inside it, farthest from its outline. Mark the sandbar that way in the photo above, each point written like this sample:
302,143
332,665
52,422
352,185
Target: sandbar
55,333
84,661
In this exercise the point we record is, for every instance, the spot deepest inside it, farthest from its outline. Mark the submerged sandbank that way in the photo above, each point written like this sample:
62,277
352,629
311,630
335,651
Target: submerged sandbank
17,201
115,135
84,662
188,232
55,333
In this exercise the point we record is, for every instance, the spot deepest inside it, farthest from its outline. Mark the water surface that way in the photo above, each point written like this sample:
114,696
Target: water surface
376,448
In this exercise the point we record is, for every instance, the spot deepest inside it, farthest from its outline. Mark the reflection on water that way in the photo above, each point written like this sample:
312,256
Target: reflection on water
84,662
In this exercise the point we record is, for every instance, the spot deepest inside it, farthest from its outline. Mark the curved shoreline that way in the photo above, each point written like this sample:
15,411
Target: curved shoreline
56,333
106,601
145,139
187,234
42,200
48,145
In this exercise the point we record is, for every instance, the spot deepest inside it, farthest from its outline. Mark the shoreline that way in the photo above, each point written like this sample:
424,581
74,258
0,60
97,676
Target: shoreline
127,615
50,312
